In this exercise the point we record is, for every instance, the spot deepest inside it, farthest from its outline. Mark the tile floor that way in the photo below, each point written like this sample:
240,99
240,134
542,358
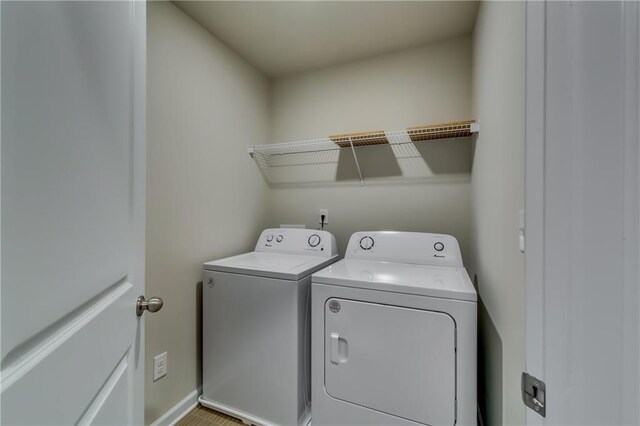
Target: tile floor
206,417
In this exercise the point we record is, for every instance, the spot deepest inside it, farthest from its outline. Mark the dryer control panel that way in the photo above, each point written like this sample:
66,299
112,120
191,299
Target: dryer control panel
405,247
297,241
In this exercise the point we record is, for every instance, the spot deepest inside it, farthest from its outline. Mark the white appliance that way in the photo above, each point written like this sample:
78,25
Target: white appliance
256,326
394,333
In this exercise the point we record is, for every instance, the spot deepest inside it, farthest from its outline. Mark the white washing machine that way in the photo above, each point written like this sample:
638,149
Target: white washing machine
394,334
256,327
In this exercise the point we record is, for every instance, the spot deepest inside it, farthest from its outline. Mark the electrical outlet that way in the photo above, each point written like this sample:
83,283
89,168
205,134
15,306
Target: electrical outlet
324,212
159,366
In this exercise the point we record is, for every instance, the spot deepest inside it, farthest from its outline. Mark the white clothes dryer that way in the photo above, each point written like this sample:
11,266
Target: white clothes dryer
394,334
256,326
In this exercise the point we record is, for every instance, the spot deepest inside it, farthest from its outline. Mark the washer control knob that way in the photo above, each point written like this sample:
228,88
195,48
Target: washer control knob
269,238
438,246
366,243
279,238
314,240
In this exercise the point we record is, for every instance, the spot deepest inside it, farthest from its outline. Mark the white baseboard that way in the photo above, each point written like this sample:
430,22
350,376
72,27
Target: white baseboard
178,411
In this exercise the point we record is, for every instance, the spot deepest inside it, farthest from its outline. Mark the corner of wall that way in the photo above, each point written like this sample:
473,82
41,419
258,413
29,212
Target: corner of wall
497,195
205,197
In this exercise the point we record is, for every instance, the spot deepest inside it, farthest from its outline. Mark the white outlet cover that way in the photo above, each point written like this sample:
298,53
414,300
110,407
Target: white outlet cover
324,212
159,366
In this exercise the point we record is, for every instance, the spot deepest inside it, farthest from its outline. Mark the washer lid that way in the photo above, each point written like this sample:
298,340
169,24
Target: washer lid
270,265
435,281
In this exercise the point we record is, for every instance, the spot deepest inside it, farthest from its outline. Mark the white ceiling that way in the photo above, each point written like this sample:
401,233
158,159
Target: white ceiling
282,37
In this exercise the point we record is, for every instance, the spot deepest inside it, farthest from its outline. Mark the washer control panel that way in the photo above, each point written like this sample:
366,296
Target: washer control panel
405,247
297,241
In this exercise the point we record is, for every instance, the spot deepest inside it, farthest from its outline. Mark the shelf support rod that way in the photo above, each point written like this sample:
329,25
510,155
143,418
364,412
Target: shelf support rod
355,157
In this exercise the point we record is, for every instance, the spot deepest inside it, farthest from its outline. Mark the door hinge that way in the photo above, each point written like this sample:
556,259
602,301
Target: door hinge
534,394
521,231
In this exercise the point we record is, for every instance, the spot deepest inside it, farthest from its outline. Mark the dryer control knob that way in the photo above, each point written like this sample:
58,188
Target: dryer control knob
279,238
366,243
438,246
314,240
269,238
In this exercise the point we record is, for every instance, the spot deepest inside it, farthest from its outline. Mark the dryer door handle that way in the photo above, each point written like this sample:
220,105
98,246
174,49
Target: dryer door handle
338,345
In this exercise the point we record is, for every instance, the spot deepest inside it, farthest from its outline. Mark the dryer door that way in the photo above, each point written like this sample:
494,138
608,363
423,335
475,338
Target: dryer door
395,360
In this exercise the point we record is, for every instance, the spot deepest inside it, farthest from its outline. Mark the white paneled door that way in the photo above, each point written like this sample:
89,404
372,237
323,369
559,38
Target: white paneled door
72,253
582,211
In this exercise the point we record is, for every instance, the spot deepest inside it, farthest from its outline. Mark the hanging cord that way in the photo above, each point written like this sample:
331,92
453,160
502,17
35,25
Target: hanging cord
322,222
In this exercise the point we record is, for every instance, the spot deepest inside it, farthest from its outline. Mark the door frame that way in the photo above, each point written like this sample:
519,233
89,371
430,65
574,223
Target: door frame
535,139
534,193
139,174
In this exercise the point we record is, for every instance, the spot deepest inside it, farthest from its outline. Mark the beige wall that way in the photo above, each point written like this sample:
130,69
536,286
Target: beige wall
497,190
205,197
390,92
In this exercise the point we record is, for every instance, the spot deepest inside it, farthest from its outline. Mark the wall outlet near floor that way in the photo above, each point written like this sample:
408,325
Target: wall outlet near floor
159,366
324,212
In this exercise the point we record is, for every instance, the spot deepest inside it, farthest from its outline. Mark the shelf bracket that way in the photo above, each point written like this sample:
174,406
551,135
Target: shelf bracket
355,157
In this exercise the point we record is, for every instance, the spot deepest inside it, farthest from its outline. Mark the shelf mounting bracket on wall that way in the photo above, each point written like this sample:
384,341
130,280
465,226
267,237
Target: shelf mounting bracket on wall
355,157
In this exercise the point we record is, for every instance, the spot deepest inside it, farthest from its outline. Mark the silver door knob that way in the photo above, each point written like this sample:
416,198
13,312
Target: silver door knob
154,304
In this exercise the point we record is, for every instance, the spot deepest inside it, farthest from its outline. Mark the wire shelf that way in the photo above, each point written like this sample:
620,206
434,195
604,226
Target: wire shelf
286,161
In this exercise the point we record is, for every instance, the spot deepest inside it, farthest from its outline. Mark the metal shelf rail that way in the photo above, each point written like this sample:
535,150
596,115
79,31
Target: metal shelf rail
327,150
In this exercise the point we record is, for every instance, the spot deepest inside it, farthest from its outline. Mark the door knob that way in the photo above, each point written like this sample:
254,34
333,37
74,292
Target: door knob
154,304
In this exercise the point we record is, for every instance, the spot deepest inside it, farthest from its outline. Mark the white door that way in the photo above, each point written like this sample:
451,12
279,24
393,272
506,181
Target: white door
73,156
582,211
395,360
